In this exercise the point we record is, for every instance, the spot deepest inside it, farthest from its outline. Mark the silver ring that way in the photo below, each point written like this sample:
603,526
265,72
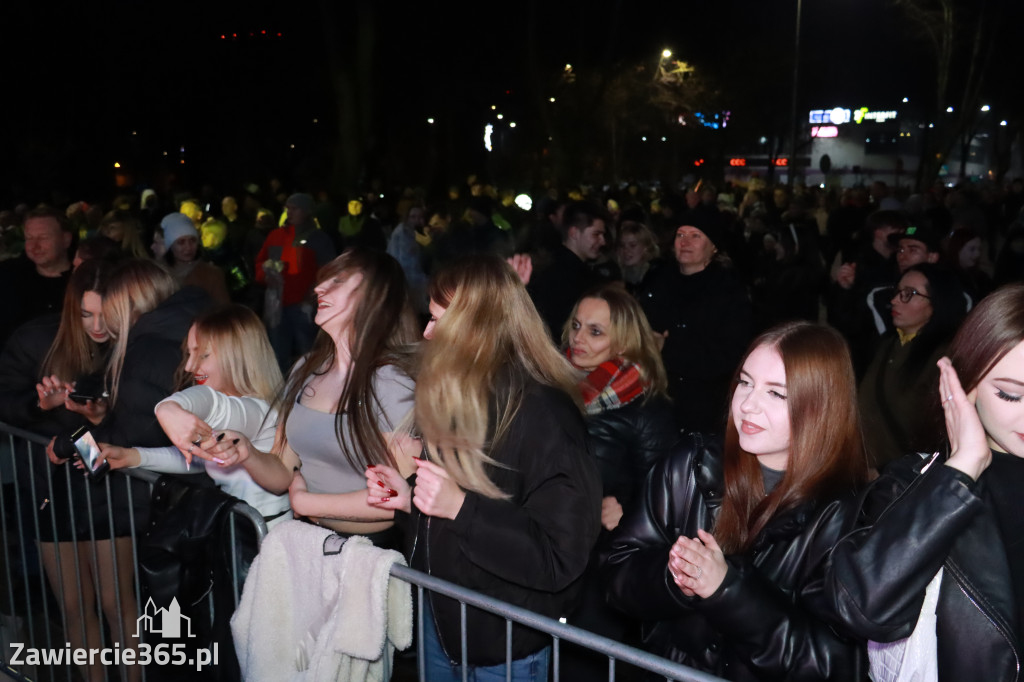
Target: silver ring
191,448
197,441
949,397
700,572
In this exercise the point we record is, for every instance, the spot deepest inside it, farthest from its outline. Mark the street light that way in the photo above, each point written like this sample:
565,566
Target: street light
666,53
985,107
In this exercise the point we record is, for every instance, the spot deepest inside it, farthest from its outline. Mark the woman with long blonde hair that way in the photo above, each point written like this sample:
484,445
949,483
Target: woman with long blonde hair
506,499
228,378
730,541
148,317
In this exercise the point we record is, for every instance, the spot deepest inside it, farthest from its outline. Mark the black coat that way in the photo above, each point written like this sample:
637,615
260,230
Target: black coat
709,321
628,440
527,550
915,519
557,287
151,359
755,626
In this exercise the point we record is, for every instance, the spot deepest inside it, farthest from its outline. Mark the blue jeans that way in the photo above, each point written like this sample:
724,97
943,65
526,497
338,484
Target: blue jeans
439,668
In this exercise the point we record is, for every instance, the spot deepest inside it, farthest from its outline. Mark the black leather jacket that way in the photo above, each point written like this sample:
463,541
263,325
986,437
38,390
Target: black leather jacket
915,519
755,626
628,440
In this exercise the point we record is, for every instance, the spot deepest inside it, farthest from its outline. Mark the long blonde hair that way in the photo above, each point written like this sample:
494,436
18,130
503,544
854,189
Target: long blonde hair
490,333
134,289
630,333
243,351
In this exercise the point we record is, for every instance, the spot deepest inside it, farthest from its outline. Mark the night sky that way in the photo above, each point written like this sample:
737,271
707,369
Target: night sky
82,77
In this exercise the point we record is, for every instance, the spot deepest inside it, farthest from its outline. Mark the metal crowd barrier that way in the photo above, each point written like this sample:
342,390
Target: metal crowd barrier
616,652
30,611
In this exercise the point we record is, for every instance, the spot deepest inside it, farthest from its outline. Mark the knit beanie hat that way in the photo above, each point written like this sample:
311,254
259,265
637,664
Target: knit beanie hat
176,226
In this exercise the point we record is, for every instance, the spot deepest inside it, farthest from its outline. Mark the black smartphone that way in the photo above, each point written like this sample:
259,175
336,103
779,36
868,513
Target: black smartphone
80,398
89,453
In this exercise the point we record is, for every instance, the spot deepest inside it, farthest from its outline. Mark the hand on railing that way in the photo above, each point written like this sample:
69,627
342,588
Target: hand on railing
386,489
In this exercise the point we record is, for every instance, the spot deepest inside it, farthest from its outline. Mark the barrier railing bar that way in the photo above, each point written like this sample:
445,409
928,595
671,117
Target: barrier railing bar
617,650
421,669
30,619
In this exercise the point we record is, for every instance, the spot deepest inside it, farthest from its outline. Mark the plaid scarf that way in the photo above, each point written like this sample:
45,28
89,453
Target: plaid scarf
613,384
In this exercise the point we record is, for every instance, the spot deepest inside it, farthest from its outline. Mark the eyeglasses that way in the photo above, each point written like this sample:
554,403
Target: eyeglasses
907,293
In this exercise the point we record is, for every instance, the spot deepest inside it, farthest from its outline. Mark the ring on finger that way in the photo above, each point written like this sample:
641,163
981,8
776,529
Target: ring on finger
700,572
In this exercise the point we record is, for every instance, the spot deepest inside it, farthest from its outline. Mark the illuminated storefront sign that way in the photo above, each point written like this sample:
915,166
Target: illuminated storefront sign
863,114
824,131
839,116
835,116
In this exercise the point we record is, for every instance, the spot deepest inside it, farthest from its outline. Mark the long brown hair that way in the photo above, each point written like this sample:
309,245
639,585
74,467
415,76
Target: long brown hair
991,330
826,452
382,333
489,326
73,354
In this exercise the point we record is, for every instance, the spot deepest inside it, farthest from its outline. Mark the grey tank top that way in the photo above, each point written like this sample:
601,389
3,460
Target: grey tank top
311,434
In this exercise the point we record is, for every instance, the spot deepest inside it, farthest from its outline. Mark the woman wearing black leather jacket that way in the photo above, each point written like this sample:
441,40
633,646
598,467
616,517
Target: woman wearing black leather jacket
730,540
630,426
629,418
960,513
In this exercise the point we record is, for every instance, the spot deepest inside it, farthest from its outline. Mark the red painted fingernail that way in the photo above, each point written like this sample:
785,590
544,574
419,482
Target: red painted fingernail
393,493
385,499
381,484
418,459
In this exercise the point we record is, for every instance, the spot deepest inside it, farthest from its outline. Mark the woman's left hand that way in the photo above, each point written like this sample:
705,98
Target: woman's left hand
697,565
225,449
435,494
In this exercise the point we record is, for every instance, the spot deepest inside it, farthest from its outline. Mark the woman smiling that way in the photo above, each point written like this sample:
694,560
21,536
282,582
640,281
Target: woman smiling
729,540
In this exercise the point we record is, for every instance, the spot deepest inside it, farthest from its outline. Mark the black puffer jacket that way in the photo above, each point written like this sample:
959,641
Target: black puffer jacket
755,626
151,358
628,440
915,519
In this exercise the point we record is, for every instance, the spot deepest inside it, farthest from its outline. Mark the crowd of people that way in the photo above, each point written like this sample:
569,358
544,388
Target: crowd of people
771,434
